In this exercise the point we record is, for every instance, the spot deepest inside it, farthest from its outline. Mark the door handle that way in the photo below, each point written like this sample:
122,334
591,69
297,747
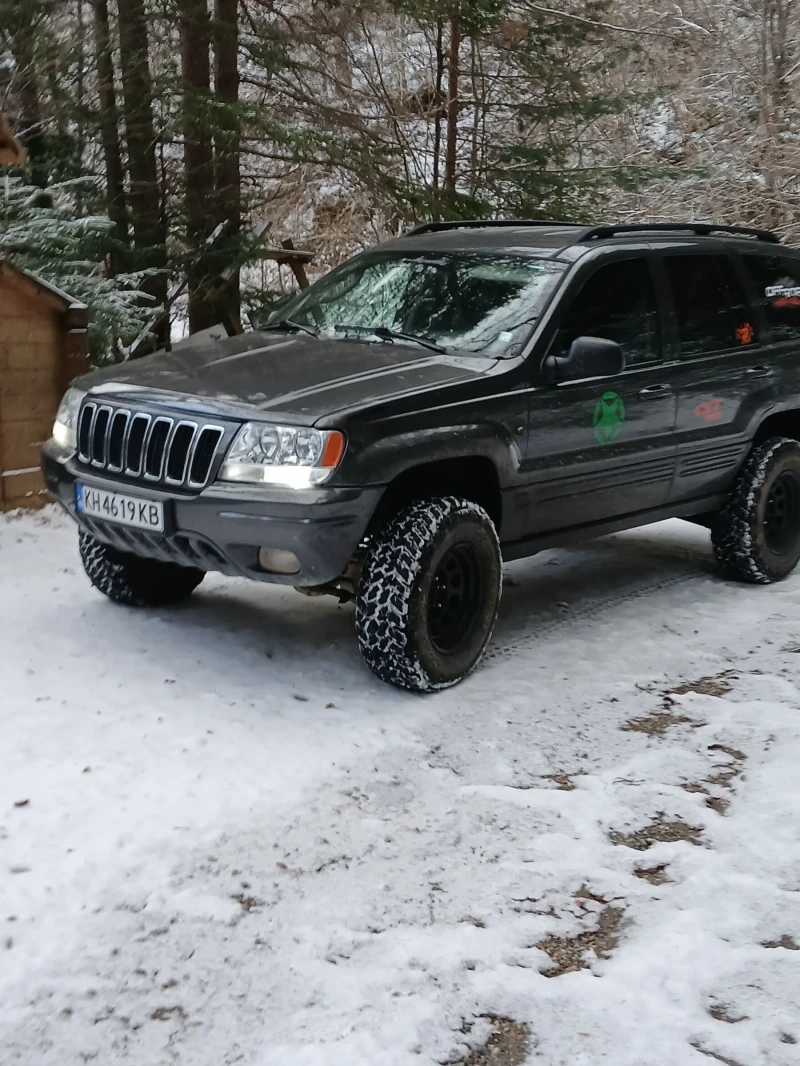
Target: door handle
760,371
652,392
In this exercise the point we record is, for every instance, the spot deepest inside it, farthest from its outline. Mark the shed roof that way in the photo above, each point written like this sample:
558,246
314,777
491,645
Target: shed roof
35,286
11,151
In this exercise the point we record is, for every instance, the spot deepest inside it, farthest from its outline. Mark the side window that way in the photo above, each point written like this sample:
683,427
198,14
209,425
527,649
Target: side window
618,303
777,282
710,304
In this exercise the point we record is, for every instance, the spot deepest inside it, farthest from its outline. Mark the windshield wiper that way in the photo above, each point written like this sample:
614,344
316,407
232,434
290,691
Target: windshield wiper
385,334
287,326
397,335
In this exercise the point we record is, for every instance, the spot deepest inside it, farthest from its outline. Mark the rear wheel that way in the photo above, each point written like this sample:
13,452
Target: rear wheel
132,580
757,535
429,594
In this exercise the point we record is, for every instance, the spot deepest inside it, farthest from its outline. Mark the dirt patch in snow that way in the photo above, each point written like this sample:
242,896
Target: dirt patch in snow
719,1013
656,875
724,778
163,1014
248,903
563,782
787,942
716,685
727,750
658,833
507,1046
657,723
717,803
716,1056
568,953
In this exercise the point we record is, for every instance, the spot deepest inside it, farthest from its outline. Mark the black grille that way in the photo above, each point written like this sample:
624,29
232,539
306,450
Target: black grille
156,448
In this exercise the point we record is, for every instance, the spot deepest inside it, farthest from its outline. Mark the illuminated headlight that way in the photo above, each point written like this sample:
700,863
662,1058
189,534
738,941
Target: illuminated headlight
65,427
283,455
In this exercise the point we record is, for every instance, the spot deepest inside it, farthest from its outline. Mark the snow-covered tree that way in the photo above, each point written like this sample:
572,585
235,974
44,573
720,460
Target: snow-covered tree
43,231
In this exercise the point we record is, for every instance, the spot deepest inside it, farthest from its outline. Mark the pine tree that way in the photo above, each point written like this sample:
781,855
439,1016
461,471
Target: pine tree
195,36
45,232
149,229
109,127
227,145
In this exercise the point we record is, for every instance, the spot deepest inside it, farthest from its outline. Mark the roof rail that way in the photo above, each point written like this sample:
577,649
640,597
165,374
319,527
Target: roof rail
700,229
482,223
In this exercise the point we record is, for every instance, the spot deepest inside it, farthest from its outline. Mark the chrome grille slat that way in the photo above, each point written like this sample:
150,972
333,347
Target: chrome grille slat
85,432
155,448
125,438
206,433
139,418
159,449
123,417
100,446
171,448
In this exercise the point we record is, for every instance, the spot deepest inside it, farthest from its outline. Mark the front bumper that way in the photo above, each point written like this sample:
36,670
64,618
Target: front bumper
223,527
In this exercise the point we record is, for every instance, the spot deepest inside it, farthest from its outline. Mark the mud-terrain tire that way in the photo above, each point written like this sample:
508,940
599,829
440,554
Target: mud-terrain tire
134,581
429,594
757,534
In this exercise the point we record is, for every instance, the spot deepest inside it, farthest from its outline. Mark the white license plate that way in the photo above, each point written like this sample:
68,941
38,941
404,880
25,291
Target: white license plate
115,507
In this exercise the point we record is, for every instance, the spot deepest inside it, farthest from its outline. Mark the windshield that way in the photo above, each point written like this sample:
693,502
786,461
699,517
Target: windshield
468,303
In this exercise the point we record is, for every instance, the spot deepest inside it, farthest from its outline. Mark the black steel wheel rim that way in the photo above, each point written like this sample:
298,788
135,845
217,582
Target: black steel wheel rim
782,513
456,598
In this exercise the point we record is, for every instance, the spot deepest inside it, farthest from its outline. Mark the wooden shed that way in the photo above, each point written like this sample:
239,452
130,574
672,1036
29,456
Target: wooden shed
43,346
12,153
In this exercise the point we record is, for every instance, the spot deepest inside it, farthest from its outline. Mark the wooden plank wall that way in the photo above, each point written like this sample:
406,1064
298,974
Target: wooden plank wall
31,385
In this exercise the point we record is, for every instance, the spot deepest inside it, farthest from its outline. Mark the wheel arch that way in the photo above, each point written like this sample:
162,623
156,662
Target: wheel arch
470,477
779,424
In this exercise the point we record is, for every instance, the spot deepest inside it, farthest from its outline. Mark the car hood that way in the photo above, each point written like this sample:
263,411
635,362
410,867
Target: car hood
297,377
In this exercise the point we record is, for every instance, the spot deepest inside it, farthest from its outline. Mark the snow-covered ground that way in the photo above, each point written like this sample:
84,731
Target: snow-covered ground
222,841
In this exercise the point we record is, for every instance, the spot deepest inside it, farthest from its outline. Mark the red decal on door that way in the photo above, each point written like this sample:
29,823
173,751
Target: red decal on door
745,334
709,410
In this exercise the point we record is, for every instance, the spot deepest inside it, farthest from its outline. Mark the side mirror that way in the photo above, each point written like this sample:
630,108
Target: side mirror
589,357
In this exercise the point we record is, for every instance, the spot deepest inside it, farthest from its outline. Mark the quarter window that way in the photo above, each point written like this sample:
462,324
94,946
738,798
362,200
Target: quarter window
617,303
777,282
710,304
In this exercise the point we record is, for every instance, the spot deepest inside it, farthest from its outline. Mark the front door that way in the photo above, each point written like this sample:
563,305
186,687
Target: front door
604,448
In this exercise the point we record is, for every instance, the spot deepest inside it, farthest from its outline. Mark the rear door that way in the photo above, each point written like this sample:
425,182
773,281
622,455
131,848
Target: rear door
775,279
717,337
603,448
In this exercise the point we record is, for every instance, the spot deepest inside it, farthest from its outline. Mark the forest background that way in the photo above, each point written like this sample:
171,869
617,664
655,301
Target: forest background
170,143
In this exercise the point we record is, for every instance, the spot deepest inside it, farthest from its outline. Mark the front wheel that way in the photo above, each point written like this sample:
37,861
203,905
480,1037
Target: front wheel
134,581
429,594
757,535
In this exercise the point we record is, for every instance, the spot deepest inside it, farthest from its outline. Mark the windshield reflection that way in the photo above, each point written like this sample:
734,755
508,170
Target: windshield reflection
482,304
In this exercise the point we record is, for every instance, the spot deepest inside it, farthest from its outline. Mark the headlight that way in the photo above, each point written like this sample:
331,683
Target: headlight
283,455
65,427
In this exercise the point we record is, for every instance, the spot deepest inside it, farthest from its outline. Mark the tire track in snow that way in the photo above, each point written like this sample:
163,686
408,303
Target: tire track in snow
545,621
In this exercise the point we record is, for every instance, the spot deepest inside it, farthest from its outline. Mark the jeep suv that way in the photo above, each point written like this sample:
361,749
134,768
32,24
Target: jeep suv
466,394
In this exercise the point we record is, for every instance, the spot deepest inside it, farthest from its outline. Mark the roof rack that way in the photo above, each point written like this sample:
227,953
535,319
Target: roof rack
482,223
701,229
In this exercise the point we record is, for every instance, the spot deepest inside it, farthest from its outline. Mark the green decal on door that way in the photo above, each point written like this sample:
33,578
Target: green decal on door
609,414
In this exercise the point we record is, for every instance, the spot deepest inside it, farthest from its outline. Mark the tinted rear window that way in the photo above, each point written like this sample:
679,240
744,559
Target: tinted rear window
710,304
777,282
